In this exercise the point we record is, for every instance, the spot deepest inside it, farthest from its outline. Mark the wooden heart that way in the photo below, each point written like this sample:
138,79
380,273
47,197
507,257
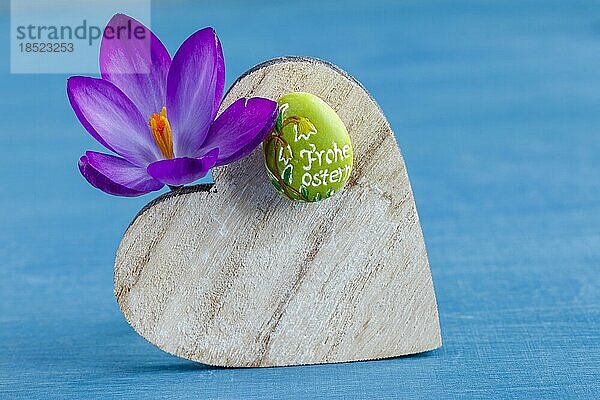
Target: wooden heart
239,276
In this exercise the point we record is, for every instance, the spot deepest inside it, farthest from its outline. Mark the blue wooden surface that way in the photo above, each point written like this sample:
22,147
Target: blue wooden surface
496,106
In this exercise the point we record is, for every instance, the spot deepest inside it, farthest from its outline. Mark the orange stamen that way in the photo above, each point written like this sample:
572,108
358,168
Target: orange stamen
161,132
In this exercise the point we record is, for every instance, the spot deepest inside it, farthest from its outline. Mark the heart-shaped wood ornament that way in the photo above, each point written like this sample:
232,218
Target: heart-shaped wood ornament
240,276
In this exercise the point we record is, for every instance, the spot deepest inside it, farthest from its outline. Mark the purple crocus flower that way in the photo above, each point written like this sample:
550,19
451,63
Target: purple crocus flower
158,114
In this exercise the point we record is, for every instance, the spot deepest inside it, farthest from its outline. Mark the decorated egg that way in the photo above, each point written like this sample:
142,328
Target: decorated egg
308,154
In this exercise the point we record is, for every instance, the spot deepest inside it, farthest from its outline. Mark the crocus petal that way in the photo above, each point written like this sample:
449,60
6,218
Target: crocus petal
241,128
115,175
194,90
137,63
183,170
111,118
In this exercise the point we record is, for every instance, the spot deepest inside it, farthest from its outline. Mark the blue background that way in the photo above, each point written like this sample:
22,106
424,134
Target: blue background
496,106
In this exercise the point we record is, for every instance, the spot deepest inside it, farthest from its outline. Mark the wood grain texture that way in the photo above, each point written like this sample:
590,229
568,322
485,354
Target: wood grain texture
239,276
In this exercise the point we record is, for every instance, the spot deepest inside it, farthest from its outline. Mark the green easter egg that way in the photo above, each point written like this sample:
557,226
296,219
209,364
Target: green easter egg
308,154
